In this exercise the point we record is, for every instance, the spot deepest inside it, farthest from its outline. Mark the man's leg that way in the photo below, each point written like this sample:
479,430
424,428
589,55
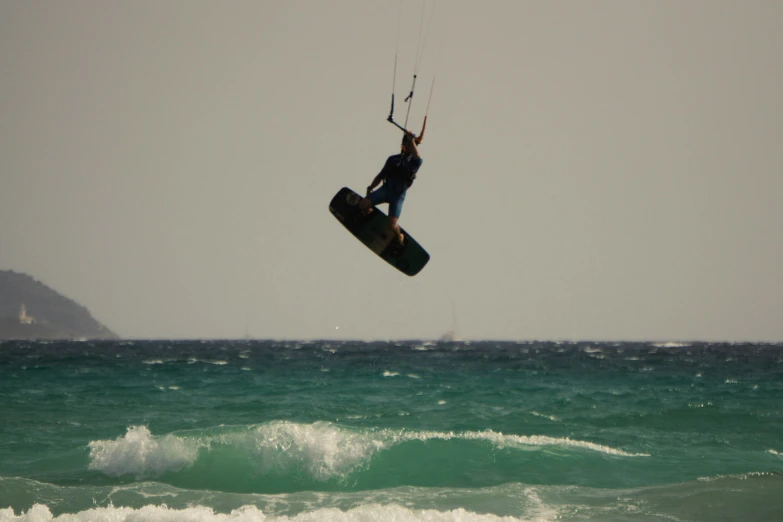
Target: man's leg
395,228
374,198
365,206
395,209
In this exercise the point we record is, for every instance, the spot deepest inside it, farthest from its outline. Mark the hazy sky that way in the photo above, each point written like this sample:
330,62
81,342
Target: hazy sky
603,169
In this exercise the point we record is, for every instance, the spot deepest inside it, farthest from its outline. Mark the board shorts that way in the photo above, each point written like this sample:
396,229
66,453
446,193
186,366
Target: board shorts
392,193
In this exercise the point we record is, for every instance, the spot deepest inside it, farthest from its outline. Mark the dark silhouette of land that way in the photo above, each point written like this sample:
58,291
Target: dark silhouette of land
31,310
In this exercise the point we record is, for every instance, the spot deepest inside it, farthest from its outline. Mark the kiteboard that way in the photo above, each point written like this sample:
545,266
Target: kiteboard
373,230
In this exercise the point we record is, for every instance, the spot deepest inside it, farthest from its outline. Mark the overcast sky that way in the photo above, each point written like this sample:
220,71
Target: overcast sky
603,169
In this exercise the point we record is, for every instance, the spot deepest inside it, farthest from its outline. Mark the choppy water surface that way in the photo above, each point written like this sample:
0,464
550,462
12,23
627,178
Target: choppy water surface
246,430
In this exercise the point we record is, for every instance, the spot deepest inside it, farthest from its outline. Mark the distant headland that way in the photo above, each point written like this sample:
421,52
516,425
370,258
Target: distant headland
31,310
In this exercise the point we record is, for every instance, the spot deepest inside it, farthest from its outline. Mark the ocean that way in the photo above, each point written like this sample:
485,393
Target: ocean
351,431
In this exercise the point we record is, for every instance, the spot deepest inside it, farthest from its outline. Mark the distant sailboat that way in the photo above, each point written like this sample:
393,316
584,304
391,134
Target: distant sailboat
451,334
247,320
448,336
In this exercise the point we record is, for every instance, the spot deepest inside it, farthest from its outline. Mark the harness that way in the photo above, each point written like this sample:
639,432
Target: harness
402,171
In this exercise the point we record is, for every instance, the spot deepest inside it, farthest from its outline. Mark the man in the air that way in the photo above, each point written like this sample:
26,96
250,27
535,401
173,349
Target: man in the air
397,175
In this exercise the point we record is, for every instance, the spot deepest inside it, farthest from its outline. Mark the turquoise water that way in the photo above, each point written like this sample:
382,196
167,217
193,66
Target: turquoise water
262,430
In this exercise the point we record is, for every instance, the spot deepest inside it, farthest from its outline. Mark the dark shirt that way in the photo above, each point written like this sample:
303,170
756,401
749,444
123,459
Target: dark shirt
400,170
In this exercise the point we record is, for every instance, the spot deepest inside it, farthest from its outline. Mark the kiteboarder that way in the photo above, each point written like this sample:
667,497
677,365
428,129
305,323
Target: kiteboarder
397,176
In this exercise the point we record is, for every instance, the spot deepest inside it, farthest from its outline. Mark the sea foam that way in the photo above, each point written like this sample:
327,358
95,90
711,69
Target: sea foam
139,453
323,449
40,513
328,449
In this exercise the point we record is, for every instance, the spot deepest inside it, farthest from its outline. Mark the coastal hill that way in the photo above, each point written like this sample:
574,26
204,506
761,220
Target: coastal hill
31,310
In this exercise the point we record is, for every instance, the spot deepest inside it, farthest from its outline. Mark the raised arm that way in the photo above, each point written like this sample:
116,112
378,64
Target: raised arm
411,145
